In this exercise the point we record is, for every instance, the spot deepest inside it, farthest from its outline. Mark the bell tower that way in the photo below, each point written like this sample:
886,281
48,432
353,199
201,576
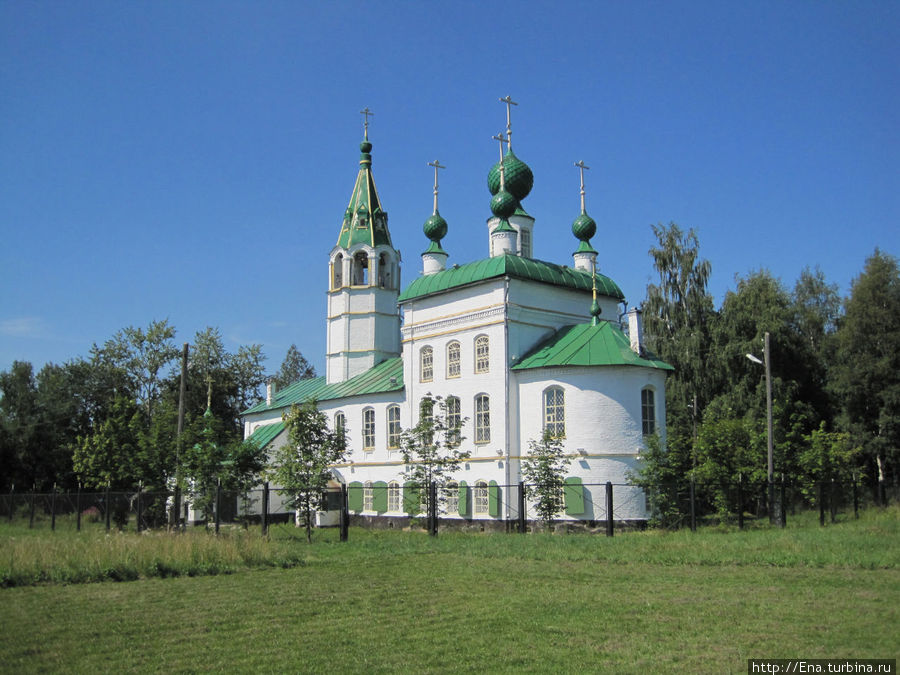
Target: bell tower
363,281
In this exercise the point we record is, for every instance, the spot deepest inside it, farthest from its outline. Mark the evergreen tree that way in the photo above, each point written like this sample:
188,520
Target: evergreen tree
294,368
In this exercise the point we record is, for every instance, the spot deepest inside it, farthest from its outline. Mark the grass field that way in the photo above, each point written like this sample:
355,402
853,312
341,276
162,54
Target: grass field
384,601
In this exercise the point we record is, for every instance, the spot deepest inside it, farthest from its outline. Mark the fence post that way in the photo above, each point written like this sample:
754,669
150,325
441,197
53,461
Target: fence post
855,497
265,509
432,509
108,507
740,501
693,507
771,482
522,514
832,502
609,509
53,509
218,503
345,513
12,500
140,505
783,512
78,508
31,517
820,494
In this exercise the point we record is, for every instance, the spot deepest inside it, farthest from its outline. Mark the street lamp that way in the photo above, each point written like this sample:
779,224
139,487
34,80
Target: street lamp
771,466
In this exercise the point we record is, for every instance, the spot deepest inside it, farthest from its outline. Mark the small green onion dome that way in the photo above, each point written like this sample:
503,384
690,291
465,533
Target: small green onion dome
503,204
584,227
517,177
365,146
435,227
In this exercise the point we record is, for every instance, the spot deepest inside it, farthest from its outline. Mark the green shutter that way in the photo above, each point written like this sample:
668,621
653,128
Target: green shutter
411,501
574,493
493,499
463,499
379,496
355,496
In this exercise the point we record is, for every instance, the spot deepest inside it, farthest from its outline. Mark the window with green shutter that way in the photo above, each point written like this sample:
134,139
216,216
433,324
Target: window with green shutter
411,498
574,495
493,499
379,496
463,499
355,496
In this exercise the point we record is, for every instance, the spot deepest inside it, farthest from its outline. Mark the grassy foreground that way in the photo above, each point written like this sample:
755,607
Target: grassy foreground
654,601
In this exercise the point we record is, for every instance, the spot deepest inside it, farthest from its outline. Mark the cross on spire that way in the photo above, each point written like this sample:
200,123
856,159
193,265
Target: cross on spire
509,102
437,165
367,113
581,167
500,137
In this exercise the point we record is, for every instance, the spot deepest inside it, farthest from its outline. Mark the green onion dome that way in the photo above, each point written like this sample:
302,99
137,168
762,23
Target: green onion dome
517,177
435,228
584,227
365,146
503,204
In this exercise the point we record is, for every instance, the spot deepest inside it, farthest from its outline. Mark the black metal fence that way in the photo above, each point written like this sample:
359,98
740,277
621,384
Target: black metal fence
600,507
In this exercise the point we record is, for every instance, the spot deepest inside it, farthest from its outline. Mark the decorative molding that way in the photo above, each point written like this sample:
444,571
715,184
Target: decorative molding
478,319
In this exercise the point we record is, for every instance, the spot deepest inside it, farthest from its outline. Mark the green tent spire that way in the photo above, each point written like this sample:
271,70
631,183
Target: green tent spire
364,220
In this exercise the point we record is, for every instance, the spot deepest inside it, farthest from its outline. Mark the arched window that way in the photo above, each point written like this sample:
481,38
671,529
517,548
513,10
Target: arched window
451,494
337,272
482,354
648,412
481,498
426,364
453,356
369,429
393,424
555,411
368,496
340,422
482,418
384,271
454,420
393,496
426,410
361,269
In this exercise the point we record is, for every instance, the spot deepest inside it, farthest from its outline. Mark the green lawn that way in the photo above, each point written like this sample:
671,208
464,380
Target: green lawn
640,602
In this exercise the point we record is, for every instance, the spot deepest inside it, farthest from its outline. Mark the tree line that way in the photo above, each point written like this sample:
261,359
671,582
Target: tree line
835,373
112,418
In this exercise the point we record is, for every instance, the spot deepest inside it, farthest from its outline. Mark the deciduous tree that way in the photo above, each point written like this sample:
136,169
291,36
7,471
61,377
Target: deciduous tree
302,466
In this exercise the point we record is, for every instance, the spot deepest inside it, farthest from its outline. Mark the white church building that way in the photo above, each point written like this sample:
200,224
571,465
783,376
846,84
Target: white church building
513,345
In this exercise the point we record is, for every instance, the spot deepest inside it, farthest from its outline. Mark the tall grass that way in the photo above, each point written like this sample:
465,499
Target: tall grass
29,557
89,556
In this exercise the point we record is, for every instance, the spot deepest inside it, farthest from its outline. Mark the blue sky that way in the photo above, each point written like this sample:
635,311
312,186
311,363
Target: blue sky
192,160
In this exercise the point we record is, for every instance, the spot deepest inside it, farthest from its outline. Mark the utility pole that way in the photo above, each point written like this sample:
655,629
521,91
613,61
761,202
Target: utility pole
771,466
176,507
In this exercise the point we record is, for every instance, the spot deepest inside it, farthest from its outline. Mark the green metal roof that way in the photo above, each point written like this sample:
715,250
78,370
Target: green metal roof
387,376
512,266
264,435
586,344
364,220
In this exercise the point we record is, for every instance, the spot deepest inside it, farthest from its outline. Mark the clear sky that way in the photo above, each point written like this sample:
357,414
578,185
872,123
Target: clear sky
192,160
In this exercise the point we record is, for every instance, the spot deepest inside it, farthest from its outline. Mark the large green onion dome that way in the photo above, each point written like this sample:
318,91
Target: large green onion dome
517,177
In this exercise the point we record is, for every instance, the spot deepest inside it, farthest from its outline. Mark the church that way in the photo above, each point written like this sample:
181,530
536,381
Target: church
514,345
